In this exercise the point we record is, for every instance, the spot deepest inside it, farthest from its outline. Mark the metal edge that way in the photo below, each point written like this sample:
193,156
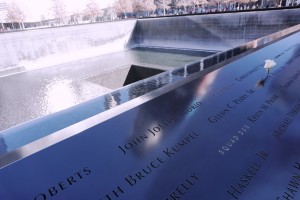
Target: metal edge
56,137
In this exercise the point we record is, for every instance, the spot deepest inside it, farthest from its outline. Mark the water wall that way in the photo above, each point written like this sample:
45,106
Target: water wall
50,46
216,31
146,33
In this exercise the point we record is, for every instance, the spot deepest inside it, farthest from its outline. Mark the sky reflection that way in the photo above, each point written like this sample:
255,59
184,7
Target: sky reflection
59,94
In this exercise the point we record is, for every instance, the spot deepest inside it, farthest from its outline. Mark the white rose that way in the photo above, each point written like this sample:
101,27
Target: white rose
269,64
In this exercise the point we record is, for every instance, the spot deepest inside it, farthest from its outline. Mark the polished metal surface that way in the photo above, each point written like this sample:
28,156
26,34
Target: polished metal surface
228,134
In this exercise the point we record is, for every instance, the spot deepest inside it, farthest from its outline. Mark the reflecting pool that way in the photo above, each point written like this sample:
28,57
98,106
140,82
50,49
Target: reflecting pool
28,93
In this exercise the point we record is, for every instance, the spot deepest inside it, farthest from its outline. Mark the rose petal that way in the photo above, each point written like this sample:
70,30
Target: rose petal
269,64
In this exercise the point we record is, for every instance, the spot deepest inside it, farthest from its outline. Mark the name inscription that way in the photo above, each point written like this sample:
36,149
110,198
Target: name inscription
262,108
134,179
293,185
183,187
287,121
64,184
153,131
230,106
236,190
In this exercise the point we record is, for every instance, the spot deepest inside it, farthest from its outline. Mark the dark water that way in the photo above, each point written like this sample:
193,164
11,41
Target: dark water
31,94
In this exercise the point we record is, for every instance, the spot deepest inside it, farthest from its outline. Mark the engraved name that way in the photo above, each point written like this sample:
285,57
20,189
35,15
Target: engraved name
157,129
64,184
183,187
263,107
237,189
230,106
293,185
287,121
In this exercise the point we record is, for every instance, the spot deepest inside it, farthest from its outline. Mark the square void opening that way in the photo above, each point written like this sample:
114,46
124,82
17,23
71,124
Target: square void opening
137,73
119,77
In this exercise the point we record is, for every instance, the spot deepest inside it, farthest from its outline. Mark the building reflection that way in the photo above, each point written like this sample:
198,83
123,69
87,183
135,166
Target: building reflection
164,116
